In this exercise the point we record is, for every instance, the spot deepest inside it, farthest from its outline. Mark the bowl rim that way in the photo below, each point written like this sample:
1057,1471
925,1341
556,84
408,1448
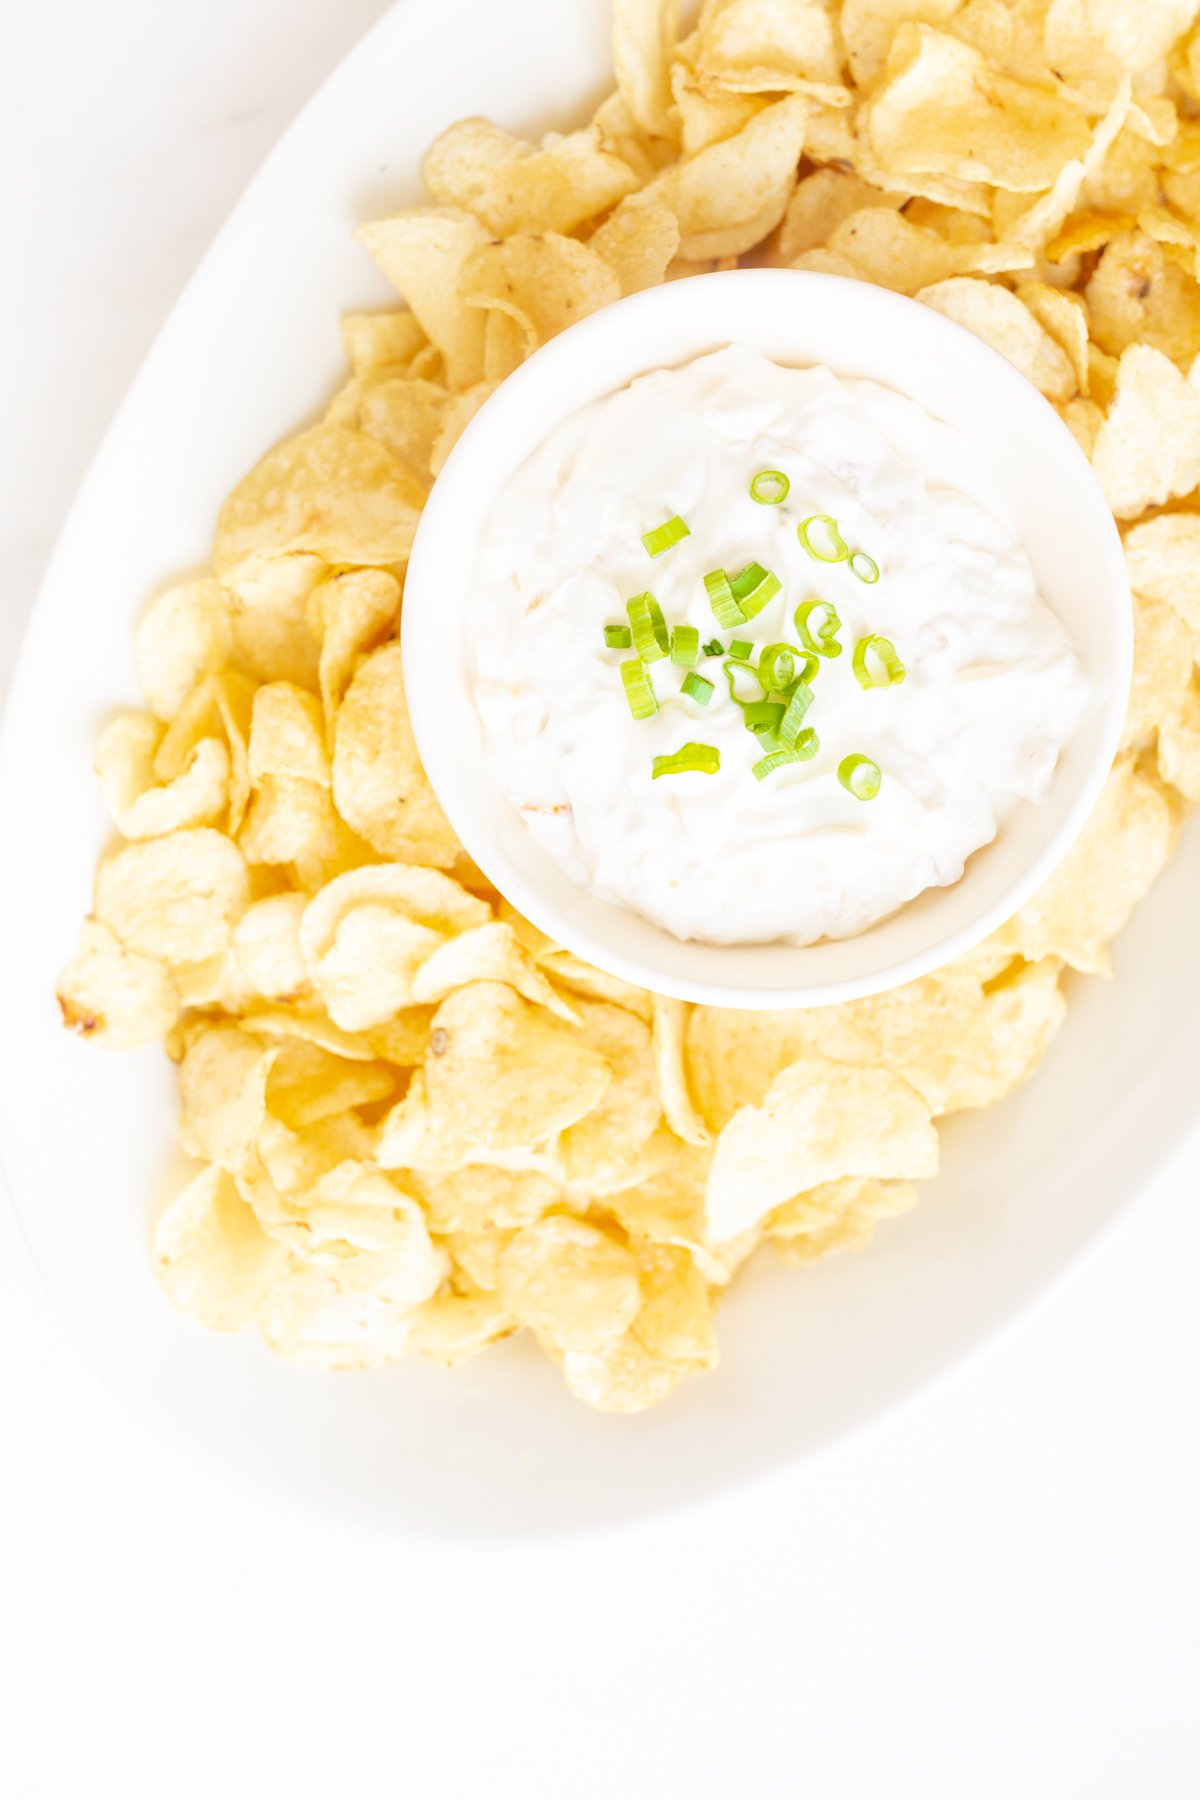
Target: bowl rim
431,631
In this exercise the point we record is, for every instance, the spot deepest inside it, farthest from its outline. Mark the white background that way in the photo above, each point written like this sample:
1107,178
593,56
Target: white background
995,1593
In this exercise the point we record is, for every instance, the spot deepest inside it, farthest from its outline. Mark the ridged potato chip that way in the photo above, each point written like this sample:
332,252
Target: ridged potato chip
113,996
379,786
570,1283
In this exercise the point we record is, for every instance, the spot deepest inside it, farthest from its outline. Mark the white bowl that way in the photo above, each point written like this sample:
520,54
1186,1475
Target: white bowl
1054,505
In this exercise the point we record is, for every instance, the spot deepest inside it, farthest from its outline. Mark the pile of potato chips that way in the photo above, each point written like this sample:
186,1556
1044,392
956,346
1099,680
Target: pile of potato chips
420,1125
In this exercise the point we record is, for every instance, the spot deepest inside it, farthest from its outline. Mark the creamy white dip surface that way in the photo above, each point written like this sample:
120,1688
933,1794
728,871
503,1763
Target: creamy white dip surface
993,687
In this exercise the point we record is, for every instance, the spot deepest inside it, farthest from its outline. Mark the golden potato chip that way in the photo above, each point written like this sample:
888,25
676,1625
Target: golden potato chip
174,898
291,821
943,110
266,948
674,1322
819,205
733,193
379,786
405,415
357,1206
1163,559
1179,746
488,952
307,1084
329,492
1064,317
273,617
211,1257
578,977
452,1328
839,1216
886,249
603,1151
1137,295
708,115
622,1377
1083,419
868,27
422,253
1148,450
637,243
331,1313
643,39
1087,231
1163,660
459,413
381,340
819,1120
359,609
670,1020
287,735
1045,218
185,634
514,186
1082,35
222,1094
141,808
1004,322
1124,848
570,1283
477,1256
544,283
481,1198
295,1161
113,996
771,46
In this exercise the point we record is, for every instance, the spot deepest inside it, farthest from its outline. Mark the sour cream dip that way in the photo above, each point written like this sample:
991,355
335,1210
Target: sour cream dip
992,686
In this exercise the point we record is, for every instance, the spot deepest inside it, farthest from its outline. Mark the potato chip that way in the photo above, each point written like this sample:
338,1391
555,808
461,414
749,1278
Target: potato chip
185,634
868,27
1163,660
943,110
140,808
771,46
422,253
670,1019
222,1095
379,786
543,283
174,898
359,609
481,1198
819,1121
272,617
888,250
1124,848
1179,746
287,735
266,948
1004,322
643,39
488,952
819,205
1063,317
570,1283
291,823
332,1313
513,186
603,1151
1163,559
459,413
329,492
381,340
733,193
308,1084
708,115
212,1258
477,1256
404,414
113,996
620,1378
838,1215
637,243
575,976
1148,450
1045,218
1137,295
1081,33
674,1322
452,1328
1083,419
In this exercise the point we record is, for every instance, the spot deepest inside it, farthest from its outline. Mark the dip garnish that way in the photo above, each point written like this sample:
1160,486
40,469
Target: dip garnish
864,566
697,688
770,487
803,750
754,588
726,610
663,536
639,689
860,776
823,640
693,759
887,670
685,646
776,666
618,637
839,549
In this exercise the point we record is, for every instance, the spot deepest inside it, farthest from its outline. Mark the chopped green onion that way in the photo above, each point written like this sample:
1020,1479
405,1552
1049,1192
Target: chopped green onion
697,688
839,550
822,641
741,650
864,566
891,670
798,704
663,536
639,689
754,588
650,638
769,487
618,637
860,776
714,647
693,759
776,666
685,646
726,610
762,715
804,749
731,668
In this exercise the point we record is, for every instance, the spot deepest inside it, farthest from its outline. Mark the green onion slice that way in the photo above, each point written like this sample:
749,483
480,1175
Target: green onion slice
726,610
763,715
886,670
789,726
685,646
776,666
618,637
663,536
860,776
639,689
754,588
698,688
741,649
769,487
693,759
864,566
650,638
714,647
804,749
732,669
835,548
821,639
